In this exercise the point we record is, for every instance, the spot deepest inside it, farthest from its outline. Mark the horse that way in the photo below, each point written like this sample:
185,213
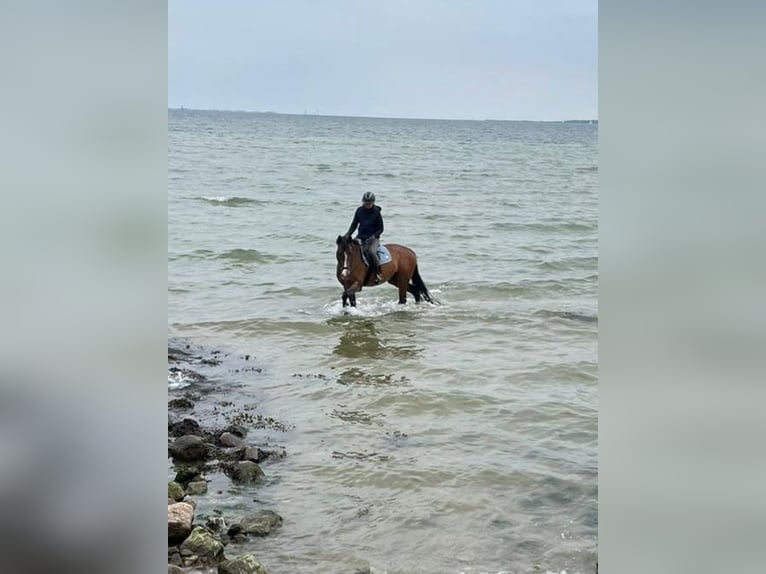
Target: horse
402,271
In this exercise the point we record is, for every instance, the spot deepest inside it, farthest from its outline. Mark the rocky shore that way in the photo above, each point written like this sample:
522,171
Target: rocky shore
208,436
218,439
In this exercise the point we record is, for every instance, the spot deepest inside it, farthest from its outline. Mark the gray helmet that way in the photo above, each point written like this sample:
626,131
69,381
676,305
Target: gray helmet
368,197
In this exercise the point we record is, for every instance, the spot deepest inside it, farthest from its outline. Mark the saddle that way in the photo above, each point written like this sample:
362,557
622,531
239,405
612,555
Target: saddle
383,256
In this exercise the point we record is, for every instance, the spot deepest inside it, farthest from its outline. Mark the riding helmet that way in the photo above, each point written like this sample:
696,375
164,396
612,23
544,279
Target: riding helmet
368,197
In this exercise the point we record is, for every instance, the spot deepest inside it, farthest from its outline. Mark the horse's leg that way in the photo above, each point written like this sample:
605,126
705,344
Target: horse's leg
345,299
353,300
402,292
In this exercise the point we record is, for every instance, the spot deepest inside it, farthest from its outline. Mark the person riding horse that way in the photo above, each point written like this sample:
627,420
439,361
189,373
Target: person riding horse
370,222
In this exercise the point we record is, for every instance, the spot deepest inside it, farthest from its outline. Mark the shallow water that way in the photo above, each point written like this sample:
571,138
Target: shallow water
453,438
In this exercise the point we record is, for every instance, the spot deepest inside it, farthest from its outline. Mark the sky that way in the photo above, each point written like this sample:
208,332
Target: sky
441,59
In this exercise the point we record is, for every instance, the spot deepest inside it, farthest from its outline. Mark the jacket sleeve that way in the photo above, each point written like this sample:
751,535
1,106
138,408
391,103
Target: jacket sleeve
354,223
380,224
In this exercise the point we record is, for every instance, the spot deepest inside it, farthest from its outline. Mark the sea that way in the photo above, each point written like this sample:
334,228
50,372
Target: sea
458,437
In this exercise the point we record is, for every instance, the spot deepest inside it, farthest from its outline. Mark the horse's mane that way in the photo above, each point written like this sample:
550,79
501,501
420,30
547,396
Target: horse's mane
343,241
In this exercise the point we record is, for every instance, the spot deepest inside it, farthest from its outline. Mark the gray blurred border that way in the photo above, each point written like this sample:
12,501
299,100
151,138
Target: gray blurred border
682,268
83,167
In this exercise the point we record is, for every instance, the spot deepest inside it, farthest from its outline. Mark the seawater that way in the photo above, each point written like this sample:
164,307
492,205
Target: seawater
459,437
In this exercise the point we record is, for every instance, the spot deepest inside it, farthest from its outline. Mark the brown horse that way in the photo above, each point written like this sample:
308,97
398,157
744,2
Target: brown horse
402,271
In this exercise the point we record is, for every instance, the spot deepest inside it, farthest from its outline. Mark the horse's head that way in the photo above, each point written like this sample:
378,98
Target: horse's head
344,255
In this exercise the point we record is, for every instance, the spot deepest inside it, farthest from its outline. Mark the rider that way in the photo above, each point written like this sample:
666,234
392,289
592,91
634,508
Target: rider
367,216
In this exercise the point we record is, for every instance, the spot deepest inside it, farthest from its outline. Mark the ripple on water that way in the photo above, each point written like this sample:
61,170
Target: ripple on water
230,201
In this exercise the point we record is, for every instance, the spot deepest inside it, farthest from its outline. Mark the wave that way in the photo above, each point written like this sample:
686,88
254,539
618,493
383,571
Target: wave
572,315
247,256
264,327
196,254
564,226
230,201
588,262
180,378
379,174
282,291
489,291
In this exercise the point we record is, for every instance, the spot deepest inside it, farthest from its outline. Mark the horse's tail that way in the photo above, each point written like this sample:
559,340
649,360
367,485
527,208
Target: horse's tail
417,281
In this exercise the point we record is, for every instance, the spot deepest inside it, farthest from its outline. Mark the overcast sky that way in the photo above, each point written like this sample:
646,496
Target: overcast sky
450,59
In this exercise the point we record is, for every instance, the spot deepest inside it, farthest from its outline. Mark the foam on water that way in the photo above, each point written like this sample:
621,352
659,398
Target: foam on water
377,307
229,200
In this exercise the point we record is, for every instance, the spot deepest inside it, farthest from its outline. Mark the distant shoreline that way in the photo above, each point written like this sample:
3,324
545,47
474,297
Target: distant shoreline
270,113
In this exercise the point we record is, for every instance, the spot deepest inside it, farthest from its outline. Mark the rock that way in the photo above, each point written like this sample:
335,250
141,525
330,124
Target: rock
188,474
175,491
184,427
174,556
277,452
237,430
180,517
245,471
197,487
189,448
173,569
228,439
177,374
204,544
182,403
176,354
257,454
245,564
217,524
260,523
253,453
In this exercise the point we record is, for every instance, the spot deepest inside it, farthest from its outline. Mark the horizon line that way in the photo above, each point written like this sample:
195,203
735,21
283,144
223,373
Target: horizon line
183,108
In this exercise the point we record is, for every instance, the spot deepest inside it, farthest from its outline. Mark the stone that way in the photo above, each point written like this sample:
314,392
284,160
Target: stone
181,403
197,487
175,491
189,448
253,453
245,564
203,543
173,569
184,427
174,556
257,454
189,474
237,430
180,518
228,439
260,523
216,523
246,472
175,354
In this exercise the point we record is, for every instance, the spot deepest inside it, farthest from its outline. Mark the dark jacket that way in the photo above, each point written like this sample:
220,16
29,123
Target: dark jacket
370,222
